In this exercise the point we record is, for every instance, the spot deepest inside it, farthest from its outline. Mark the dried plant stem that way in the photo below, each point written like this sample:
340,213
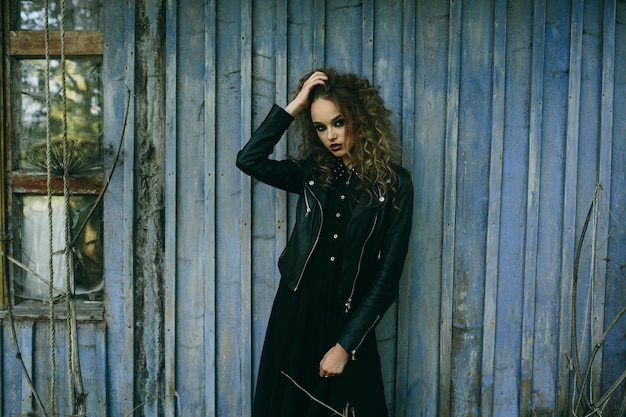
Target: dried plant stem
581,379
335,412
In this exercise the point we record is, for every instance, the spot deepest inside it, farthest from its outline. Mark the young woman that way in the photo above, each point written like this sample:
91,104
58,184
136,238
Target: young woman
343,260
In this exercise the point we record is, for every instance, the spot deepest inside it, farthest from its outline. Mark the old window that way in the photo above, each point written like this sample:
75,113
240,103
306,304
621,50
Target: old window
28,115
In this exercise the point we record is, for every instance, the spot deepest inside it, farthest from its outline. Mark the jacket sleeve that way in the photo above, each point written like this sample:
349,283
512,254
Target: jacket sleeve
384,287
254,158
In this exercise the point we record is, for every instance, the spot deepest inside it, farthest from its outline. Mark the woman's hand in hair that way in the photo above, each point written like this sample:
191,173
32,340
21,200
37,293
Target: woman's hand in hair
301,101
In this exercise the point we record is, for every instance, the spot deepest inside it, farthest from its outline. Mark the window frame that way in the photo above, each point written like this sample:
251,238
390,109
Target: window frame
31,44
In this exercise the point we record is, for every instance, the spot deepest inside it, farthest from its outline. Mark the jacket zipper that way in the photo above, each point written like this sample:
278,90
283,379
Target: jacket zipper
317,238
348,303
353,353
308,207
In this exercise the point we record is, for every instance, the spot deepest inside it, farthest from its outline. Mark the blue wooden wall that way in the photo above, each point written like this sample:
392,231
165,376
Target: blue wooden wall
512,116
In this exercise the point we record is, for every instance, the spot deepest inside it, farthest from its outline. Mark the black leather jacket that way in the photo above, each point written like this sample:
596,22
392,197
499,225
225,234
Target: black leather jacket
378,231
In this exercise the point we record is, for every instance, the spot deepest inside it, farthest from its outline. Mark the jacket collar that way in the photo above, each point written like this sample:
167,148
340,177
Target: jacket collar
365,200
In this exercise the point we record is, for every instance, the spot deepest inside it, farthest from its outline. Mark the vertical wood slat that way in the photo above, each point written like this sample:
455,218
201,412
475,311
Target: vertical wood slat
319,33
367,39
429,130
4,102
208,266
380,60
232,233
568,238
2,327
126,399
25,335
118,73
100,367
449,208
493,215
245,342
282,96
604,179
532,203
403,402
171,194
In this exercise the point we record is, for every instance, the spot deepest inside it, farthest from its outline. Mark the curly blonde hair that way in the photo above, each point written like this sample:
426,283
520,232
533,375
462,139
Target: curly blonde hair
368,122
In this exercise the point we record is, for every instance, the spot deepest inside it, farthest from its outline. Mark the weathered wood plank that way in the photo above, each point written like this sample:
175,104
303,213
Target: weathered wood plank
614,85
425,133
568,237
386,71
232,218
319,32
245,131
207,264
449,210
345,15
5,90
472,207
25,334
195,314
118,76
269,215
27,43
3,348
11,373
282,96
90,378
407,139
370,41
606,72
546,354
533,180
506,396
171,203
495,204
100,391
28,183
590,284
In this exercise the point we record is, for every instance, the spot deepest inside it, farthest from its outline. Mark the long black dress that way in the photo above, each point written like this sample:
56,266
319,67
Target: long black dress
304,325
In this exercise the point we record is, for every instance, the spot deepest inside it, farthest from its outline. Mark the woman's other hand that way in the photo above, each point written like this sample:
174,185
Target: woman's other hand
334,361
301,101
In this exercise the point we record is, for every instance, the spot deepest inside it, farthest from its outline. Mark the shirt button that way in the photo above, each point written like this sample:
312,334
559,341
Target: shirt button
335,236
311,182
381,199
332,259
338,215
343,197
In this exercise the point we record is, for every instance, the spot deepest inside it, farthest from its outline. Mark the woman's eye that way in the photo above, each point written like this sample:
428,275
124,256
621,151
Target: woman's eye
340,123
319,128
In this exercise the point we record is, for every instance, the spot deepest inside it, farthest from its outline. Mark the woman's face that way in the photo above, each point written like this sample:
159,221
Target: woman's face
330,126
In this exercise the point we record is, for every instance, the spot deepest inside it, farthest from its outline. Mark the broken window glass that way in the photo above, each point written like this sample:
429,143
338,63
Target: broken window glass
86,265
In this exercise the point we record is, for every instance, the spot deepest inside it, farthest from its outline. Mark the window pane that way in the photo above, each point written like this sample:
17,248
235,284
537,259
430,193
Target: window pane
87,253
79,15
84,115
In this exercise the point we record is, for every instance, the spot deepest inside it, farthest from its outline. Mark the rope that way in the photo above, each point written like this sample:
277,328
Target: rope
69,288
76,393
592,273
587,327
50,218
587,330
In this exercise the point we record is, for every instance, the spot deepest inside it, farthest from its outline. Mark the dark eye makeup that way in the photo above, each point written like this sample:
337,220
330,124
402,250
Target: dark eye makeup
336,123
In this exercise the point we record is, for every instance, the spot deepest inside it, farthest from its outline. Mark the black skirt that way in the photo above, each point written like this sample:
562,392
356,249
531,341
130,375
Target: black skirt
303,326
